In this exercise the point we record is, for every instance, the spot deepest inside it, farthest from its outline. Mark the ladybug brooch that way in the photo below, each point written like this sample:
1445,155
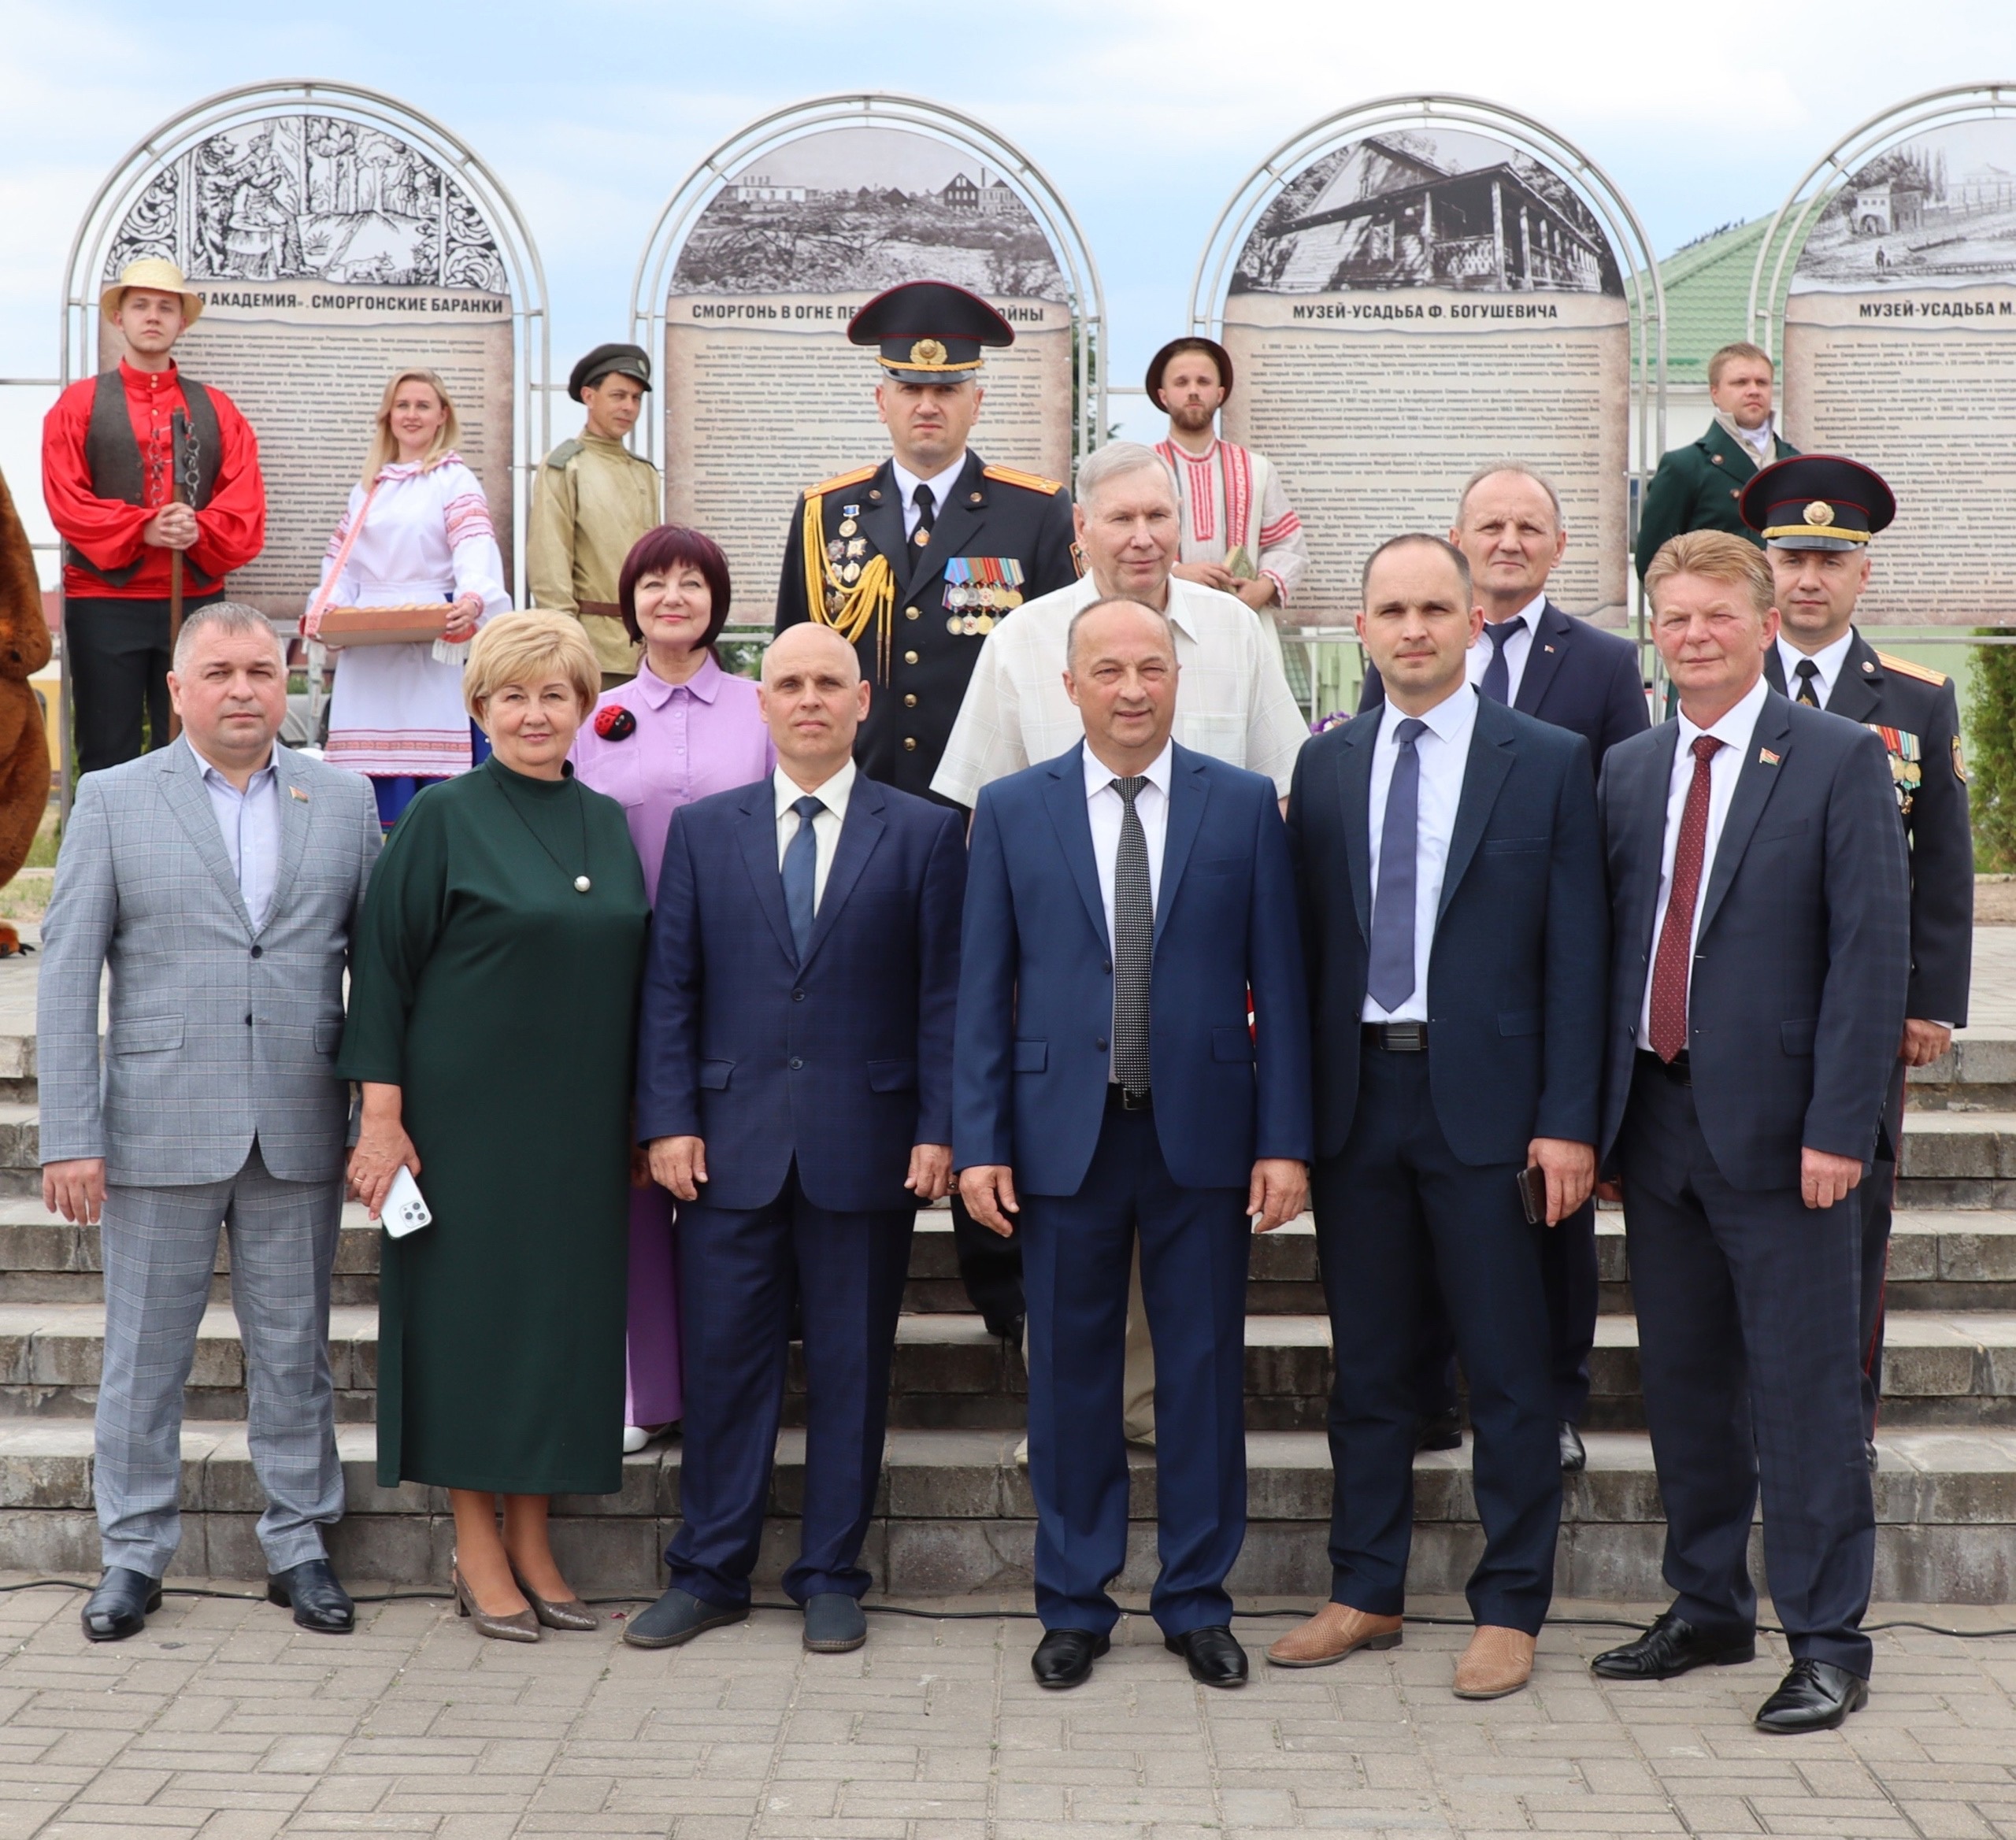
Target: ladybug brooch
615,723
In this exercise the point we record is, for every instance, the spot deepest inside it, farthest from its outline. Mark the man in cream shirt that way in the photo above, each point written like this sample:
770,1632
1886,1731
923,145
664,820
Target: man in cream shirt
1232,701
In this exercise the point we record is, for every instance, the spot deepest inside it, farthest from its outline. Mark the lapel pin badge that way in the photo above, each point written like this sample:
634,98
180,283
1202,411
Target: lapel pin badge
296,792
1766,757
1546,648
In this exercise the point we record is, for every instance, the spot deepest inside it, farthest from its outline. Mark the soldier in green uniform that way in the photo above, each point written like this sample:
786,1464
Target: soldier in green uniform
591,501
1816,515
915,559
1697,486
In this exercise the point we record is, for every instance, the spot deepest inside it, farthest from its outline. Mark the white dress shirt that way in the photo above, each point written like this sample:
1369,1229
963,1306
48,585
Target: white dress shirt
1828,661
1232,702
1518,648
1106,811
941,485
250,822
825,825
1733,730
1443,750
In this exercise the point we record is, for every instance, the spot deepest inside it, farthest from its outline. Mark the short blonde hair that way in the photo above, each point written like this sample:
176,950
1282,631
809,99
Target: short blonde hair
1741,351
384,444
523,648
1714,556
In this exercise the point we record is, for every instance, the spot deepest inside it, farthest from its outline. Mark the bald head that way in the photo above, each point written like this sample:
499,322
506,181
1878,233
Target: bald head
813,698
808,643
1121,675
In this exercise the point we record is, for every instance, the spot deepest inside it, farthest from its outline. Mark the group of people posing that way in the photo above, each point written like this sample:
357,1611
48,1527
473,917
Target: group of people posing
1030,890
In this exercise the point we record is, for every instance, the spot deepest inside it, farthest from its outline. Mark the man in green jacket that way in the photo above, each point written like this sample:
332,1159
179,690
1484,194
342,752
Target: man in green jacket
1697,486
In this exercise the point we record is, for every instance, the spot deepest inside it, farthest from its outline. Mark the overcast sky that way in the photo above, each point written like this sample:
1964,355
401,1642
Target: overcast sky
1146,113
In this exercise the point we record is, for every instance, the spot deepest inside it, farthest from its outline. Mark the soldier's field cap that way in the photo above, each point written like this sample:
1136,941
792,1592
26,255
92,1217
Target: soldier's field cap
626,361
1817,501
155,276
1189,341
929,332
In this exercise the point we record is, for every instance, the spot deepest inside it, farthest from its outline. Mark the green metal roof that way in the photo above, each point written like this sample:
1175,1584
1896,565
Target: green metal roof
1707,295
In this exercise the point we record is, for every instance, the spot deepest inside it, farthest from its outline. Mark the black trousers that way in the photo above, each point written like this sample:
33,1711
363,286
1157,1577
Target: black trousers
1568,1274
116,655
991,1268
1394,1208
1747,1320
1878,1197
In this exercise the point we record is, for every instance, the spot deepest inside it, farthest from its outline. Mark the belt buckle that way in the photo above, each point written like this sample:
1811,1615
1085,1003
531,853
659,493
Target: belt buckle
1131,1101
1406,1038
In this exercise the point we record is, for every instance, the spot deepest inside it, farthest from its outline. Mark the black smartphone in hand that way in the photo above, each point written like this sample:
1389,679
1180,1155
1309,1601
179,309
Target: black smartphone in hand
1533,1194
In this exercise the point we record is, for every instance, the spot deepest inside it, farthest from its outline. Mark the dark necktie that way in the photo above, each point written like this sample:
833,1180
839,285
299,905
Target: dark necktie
1808,686
1390,971
801,873
1668,1032
927,515
1133,943
1497,683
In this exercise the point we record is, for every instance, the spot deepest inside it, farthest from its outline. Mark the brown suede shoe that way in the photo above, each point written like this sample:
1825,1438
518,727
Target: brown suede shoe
1331,1635
1497,1662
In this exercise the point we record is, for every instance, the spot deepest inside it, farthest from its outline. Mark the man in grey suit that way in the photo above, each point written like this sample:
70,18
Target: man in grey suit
218,880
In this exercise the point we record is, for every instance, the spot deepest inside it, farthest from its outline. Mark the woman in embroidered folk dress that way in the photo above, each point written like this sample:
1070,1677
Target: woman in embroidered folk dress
417,529
681,728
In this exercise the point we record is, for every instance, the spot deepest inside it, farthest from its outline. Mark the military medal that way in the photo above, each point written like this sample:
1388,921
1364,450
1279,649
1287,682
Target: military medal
851,573
857,546
836,550
1907,764
848,527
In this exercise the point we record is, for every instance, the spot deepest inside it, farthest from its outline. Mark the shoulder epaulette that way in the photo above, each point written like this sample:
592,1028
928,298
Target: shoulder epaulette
1904,668
1029,482
557,459
840,479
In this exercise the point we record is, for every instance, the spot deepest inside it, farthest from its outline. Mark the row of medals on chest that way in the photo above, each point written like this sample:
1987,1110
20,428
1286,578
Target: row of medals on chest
974,608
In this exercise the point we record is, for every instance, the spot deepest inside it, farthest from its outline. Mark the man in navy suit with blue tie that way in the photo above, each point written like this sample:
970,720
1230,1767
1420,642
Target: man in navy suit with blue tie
1564,671
1761,930
794,1084
1453,910
1123,901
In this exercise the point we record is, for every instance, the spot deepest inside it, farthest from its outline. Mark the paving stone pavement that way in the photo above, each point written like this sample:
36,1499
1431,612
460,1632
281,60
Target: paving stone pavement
224,1721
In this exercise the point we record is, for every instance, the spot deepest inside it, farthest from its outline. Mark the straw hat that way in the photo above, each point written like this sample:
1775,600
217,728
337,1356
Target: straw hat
159,276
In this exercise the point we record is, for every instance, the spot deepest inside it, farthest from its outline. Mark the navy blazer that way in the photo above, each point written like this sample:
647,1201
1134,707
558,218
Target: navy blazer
1576,676
843,1062
1034,1056
1515,976
1795,1004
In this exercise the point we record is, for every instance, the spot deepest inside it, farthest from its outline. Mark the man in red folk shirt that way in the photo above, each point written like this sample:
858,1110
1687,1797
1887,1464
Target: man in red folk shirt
109,476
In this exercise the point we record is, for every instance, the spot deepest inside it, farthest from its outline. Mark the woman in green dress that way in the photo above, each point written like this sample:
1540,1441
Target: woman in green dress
492,1020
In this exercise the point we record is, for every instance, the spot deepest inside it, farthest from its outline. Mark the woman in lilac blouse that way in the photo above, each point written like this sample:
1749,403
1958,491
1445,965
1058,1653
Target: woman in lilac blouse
681,728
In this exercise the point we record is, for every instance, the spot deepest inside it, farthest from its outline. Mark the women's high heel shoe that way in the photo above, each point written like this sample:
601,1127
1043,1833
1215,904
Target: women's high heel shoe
572,1614
522,1627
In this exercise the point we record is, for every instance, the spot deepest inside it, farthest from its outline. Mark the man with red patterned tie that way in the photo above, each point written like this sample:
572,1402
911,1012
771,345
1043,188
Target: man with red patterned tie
1760,950
125,501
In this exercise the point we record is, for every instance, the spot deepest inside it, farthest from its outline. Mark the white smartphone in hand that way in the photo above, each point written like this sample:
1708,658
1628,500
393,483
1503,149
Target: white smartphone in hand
404,1212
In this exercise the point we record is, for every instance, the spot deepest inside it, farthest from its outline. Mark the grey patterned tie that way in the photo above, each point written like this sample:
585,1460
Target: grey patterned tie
1390,970
1133,943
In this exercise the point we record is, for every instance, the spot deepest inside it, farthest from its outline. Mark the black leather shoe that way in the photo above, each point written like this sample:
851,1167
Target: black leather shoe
1674,1645
1065,1657
1439,1430
1007,1328
120,1605
319,1601
1215,1657
1573,1456
678,1617
1814,1696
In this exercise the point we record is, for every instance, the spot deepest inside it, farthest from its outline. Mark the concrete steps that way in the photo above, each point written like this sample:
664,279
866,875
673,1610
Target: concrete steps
954,1514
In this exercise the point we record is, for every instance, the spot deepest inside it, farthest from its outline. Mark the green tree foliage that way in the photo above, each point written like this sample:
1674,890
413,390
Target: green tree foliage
1991,727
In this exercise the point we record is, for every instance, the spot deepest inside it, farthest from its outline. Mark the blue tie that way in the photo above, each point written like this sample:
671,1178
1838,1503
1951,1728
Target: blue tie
801,867
1390,974
1497,683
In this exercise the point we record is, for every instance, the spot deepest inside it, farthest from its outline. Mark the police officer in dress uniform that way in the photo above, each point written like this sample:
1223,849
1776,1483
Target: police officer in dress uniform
914,561
1816,514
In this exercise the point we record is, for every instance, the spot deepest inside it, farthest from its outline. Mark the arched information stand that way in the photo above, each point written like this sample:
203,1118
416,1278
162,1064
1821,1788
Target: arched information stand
1417,284
1887,285
762,255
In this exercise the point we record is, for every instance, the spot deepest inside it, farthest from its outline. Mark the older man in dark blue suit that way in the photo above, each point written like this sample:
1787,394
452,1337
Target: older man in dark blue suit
1761,932
1124,900
1453,910
1564,671
793,1084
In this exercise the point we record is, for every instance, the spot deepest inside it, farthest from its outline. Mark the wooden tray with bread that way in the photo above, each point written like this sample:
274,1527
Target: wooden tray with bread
419,624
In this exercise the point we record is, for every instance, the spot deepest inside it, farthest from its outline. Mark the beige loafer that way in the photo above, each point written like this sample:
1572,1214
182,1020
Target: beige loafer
1497,1662
1335,1631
